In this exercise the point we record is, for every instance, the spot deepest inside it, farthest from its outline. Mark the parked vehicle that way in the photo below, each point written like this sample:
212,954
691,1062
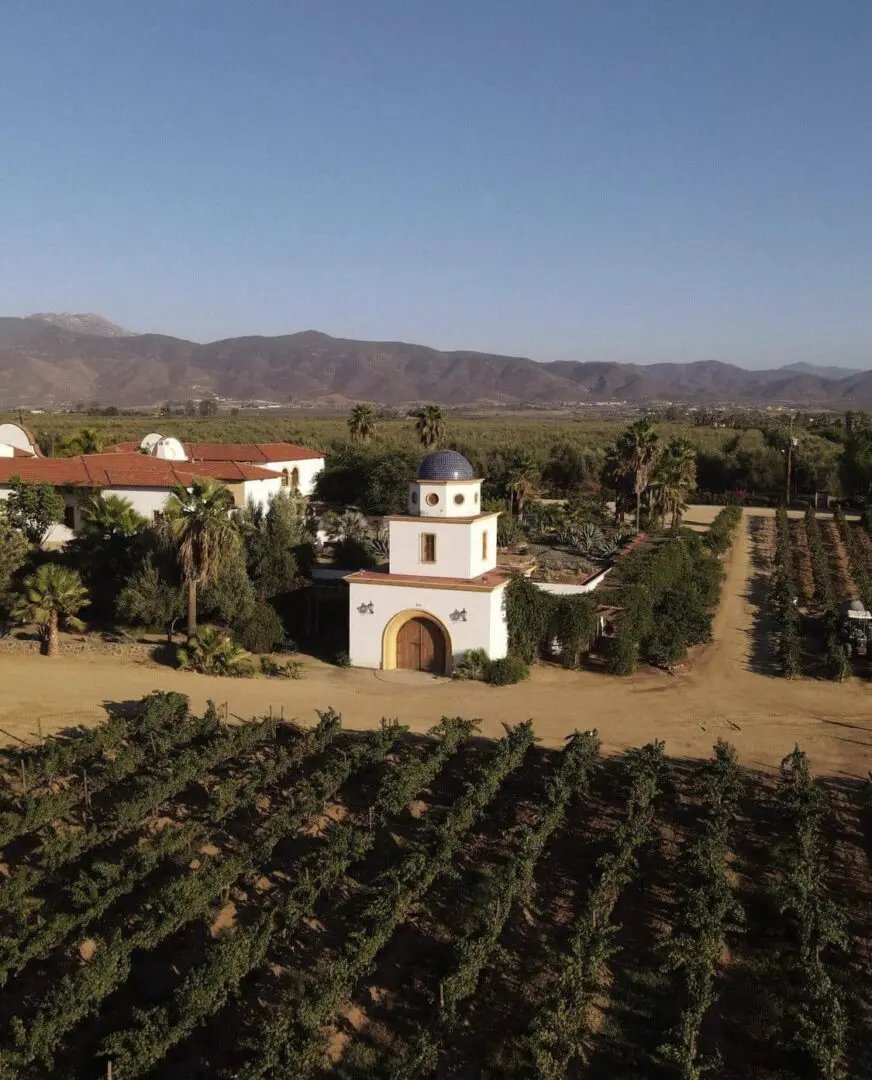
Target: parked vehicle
855,627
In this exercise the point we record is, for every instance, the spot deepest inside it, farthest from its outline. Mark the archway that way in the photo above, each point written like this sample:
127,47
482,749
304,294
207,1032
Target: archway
416,640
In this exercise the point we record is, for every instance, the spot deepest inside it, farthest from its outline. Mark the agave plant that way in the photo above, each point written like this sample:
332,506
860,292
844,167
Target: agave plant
214,652
587,538
509,532
565,535
607,548
378,544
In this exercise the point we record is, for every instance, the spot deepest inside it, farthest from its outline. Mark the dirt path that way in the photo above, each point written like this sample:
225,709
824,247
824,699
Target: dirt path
726,692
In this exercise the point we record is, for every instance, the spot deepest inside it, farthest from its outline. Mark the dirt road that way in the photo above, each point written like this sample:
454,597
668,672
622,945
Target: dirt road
726,692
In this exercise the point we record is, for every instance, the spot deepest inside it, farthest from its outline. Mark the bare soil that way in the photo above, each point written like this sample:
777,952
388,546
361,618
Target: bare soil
727,690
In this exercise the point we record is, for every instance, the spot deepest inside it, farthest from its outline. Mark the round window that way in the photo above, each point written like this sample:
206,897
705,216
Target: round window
459,499
432,499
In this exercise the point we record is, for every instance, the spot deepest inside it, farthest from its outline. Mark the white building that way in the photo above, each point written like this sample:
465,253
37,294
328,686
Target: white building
297,464
441,593
145,473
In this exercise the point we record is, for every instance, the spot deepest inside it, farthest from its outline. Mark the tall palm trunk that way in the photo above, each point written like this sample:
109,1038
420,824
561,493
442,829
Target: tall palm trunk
192,608
52,641
638,510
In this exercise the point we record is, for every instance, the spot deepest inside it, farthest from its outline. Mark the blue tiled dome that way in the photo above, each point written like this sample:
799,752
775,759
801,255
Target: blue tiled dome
445,465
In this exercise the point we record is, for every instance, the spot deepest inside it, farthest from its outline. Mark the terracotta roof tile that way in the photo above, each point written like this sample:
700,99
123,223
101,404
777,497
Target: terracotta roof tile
250,452
484,582
126,470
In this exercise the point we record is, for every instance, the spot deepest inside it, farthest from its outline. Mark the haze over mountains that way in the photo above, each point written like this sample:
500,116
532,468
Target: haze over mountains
73,358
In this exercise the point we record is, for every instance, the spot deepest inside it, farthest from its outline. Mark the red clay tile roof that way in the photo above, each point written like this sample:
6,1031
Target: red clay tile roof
253,453
483,583
126,470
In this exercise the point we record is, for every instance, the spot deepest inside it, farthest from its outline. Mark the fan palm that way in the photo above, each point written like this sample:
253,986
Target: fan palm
634,456
430,425
675,478
197,521
362,423
522,477
108,516
51,596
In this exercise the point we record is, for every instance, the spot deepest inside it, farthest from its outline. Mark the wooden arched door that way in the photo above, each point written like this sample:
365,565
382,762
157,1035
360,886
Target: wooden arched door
421,646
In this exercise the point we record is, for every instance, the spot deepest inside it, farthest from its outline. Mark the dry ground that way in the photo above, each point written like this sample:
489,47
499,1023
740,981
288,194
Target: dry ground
726,691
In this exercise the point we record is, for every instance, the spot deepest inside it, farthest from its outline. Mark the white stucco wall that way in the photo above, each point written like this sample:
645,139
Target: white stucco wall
308,470
458,546
484,627
459,498
563,589
261,492
145,501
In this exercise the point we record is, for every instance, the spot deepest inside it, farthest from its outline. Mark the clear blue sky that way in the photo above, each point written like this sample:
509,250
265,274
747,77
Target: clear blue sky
616,179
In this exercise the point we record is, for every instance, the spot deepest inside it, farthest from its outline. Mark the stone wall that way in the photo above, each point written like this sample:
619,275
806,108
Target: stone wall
73,645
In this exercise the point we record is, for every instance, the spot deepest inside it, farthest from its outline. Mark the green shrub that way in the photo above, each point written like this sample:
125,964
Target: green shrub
506,671
472,665
291,669
213,652
720,534
260,629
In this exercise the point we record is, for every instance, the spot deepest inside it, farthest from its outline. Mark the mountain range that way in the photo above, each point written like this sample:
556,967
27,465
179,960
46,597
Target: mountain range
73,358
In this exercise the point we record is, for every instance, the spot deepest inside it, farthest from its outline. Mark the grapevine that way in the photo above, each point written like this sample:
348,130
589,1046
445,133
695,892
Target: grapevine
709,911
79,993
819,1023
560,1032
292,1041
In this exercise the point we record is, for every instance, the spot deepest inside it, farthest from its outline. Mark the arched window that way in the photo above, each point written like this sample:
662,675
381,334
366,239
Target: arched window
295,480
286,479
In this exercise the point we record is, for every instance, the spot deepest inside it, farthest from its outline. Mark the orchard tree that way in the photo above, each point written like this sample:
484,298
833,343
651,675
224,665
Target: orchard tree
148,597
33,508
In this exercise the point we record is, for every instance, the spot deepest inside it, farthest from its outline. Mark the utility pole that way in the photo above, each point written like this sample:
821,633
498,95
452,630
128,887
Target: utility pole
789,457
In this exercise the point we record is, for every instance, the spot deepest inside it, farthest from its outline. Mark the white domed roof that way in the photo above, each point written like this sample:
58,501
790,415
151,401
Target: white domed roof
150,441
170,449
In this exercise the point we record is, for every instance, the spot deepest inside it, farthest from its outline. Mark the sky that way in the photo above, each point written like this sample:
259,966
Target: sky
642,180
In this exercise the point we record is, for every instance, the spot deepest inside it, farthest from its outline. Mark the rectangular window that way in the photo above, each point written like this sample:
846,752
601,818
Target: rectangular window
428,547
70,517
484,544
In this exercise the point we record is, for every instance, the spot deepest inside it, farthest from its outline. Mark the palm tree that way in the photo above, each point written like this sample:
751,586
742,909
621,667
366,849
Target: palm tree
51,596
430,425
522,476
109,516
197,521
362,422
634,456
675,478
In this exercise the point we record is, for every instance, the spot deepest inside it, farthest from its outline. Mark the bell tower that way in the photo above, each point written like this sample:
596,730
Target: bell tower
444,533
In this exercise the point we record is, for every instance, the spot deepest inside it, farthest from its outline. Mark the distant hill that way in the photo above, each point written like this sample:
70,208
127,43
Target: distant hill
50,356
94,325
822,370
